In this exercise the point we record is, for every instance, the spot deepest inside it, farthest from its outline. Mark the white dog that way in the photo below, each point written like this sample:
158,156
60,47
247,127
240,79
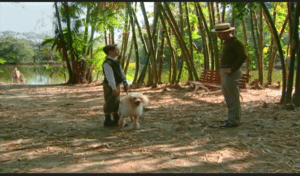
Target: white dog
132,105
17,76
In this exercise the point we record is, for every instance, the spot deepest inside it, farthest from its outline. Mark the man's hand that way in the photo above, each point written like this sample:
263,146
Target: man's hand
228,72
115,93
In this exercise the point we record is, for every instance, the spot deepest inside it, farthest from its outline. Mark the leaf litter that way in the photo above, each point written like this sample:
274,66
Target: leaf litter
67,121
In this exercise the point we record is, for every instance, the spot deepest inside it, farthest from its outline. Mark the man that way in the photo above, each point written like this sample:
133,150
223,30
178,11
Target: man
113,76
233,56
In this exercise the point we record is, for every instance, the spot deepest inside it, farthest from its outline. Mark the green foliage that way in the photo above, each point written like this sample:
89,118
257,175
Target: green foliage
2,61
251,53
16,50
195,35
241,9
266,56
109,16
98,59
48,67
198,59
54,71
47,53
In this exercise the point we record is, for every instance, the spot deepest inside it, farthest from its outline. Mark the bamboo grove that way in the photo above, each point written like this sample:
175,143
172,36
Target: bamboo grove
178,34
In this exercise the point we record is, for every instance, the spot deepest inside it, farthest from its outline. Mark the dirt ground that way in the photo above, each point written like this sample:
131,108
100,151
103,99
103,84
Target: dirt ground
59,129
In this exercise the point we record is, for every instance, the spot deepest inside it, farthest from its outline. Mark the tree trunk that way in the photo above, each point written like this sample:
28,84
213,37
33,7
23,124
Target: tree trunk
150,77
274,48
232,18
161,53
261,62
271,51
181,26
130,11
296,97
189,30
86,29
77,72
152,47
113,36
223,11
254,37
180,70
246,45
142,75
124,39
203,36
257,42
209,35
215,56
275,35
105,37
218,12
172,57
63,43
128,57
294,42
180,39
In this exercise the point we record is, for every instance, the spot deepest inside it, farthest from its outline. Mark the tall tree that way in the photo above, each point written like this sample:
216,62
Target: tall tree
61,42
260,59
246,44
130,11
254,37
152,49
173,65
293,14
202,31
174,26
189,29
296,97
274,33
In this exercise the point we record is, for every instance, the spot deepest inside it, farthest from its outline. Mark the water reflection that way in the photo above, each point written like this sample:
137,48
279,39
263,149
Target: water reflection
36,75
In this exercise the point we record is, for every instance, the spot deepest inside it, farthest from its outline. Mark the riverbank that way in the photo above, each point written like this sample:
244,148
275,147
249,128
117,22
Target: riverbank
36,63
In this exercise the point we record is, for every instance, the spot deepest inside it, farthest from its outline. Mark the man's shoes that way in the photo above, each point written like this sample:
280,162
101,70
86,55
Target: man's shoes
108,122
229,125
224,120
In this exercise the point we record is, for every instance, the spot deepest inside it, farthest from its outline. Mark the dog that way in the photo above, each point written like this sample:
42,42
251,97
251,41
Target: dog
132,105
17,76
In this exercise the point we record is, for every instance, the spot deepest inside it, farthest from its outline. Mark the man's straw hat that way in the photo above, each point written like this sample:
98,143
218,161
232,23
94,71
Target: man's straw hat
223,27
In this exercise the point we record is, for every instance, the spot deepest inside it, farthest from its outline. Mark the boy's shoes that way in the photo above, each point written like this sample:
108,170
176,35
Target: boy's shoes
146,109
108,122
224,120
112,123
116,119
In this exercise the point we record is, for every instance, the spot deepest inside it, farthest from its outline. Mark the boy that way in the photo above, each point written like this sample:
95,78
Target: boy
113,76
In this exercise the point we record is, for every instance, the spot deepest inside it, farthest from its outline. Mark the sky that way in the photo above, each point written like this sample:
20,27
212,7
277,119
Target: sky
27,17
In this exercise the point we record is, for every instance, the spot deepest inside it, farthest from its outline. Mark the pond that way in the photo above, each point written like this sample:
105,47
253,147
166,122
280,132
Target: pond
40,75
37,74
